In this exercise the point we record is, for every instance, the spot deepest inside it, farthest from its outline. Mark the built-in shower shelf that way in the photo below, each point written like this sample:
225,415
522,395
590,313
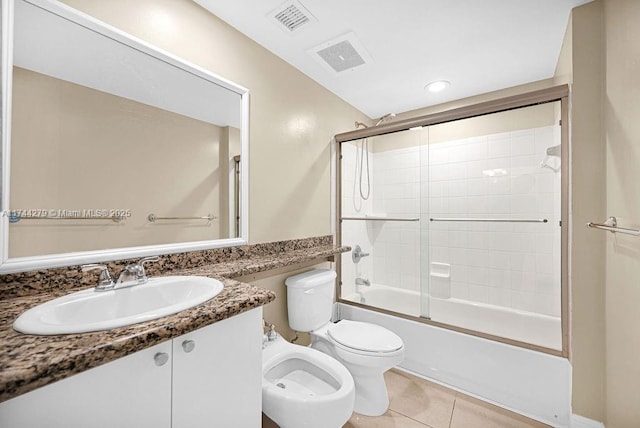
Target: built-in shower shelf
373,218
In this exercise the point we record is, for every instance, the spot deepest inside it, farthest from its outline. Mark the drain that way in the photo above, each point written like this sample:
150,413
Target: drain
281,385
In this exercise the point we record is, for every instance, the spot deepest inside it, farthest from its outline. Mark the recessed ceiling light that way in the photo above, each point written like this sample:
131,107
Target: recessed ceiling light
437,86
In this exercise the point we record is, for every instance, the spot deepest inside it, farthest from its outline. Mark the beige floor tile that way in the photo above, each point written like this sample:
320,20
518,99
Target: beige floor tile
471,412
390,419
419,399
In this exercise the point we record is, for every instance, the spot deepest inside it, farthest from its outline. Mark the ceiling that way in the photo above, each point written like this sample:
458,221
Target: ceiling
478,46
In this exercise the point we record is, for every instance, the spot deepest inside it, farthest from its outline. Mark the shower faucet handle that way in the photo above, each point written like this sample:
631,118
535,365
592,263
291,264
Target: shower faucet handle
357,254
363,281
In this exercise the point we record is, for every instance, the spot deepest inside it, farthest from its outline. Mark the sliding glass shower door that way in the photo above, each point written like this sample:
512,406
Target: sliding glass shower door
494,225
380,219
460,223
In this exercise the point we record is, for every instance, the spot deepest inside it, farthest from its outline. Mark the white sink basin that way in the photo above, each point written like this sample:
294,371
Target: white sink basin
91,310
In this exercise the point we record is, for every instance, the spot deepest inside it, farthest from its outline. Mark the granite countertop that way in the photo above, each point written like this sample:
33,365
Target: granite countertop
28,362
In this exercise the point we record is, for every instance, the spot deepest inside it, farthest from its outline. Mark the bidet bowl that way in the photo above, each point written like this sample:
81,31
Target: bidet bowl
304,388
91,310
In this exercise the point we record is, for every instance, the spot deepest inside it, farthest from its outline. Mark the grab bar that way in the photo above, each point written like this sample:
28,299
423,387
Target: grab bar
153,218
612,226
495,220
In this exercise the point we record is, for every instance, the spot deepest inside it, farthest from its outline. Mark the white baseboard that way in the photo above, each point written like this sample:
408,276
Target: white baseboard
578,421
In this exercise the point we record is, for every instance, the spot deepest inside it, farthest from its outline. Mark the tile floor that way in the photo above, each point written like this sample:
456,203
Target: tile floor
417,403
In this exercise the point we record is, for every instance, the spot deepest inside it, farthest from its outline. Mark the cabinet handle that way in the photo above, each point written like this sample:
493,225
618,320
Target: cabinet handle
188,345
161,358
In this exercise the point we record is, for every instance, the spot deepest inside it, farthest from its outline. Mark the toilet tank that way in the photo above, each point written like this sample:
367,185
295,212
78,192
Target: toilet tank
310,299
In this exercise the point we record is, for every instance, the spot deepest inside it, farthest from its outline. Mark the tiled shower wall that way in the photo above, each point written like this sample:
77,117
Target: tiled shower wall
355,232
394,247
397,243
514,265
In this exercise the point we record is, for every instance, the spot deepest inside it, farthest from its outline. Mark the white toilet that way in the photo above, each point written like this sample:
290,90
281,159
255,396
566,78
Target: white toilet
304,388
366,350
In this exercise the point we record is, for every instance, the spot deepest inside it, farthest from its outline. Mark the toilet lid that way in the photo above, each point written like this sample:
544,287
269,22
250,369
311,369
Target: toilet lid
364,336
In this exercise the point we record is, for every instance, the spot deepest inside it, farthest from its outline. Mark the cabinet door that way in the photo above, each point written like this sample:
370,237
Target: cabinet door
129,392
217,374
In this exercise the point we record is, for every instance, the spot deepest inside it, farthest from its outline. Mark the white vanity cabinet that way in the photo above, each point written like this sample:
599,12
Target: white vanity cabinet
217,374
207,378
116,394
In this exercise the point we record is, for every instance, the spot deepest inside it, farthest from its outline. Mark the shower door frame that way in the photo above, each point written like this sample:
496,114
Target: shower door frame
559,93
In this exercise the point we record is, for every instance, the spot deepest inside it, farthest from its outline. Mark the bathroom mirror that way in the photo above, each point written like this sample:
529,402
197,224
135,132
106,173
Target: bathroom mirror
112,148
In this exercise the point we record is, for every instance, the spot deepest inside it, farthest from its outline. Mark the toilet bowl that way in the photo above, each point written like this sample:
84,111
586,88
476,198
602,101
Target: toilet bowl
366,350
304,388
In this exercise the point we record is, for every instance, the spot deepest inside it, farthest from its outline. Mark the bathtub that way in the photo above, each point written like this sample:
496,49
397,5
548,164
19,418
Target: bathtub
390,298
536,329
532,383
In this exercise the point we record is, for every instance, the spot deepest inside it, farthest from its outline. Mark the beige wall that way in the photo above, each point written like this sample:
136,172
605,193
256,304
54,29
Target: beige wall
587,204
564,66
93,150
622,289
496,123
398,140
604,46
292,117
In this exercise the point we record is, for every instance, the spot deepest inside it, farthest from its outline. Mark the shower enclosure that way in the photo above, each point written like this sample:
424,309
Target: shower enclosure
458,219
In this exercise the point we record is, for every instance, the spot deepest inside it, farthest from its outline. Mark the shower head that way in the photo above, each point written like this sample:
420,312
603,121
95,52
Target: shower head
388,116
359,124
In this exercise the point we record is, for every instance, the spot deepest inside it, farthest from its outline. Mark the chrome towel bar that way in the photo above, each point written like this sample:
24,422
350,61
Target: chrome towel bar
381,218
612,226
113,218
494,220
153,218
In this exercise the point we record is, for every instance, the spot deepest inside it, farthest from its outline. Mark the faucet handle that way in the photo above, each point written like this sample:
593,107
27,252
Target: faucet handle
104,280
146,260
358,254
272,334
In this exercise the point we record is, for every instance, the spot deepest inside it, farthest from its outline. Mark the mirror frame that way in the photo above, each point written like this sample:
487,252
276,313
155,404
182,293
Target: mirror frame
21,264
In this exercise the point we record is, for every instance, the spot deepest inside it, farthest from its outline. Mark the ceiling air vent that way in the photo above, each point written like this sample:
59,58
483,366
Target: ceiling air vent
341,54
291,16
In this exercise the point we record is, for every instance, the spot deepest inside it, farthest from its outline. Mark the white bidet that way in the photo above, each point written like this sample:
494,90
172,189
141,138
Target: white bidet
302,387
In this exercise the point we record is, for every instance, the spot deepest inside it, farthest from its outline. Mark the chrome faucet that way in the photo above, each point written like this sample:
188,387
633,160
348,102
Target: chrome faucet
131,275
271,334
363,281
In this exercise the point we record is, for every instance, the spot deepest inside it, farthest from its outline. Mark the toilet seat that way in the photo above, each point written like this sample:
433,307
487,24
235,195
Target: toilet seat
364,338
